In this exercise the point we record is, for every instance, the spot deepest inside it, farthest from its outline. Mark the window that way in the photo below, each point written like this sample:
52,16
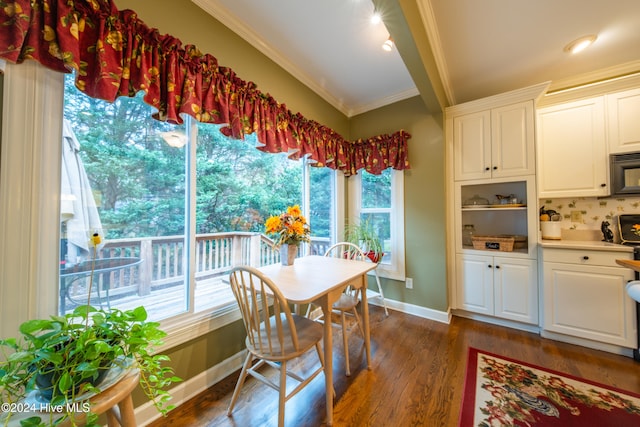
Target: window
174,180
178,207
124,176
379,200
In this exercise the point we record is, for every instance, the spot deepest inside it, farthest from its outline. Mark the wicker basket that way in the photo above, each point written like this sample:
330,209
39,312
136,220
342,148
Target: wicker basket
493,243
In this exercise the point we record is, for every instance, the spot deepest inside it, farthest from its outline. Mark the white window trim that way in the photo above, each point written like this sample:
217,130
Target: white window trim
29,194
396,269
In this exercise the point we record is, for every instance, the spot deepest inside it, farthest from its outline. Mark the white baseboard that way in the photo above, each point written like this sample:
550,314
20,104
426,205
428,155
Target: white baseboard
498,321
610,348
415,310
186,390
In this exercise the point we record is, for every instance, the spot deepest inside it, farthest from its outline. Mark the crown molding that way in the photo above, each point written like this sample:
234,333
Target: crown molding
410,93
595,77
534,93
431,27
600,82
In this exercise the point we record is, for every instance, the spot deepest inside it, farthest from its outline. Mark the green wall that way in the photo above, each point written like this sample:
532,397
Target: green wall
424,199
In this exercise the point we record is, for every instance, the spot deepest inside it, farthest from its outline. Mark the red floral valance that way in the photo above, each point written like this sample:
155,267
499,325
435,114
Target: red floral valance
116,54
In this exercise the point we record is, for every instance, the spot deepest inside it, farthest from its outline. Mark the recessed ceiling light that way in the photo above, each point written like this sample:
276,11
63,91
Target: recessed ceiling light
376,18
580,44
387,45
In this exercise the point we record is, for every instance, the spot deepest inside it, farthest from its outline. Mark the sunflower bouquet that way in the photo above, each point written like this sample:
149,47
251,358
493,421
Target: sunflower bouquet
288,228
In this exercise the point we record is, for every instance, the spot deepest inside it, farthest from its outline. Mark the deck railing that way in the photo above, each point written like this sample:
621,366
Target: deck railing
162,259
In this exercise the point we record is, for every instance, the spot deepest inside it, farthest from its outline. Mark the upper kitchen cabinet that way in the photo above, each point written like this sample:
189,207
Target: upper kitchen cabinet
623,113
494,137
572,152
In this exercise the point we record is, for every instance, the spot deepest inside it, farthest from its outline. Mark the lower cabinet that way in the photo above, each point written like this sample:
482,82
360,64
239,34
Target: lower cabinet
498,286
585,296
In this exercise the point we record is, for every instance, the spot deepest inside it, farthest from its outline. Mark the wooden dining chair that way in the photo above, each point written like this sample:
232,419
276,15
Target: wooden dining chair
348,302
275,336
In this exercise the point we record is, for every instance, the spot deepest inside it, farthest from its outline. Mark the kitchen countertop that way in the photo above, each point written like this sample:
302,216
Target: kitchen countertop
593,245
629,263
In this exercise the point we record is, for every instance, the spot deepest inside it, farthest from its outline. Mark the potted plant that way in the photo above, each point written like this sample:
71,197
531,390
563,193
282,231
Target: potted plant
363,235
59,359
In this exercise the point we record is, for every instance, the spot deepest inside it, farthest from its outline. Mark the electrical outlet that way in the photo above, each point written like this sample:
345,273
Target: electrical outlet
576,216
409,283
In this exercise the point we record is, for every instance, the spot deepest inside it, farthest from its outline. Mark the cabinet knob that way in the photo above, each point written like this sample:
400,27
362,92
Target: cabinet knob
490,266
497,266
585,257
487,168
495,168
603,185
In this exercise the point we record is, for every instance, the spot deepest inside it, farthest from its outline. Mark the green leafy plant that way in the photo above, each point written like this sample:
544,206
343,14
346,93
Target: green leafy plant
61,358
65,357
363,235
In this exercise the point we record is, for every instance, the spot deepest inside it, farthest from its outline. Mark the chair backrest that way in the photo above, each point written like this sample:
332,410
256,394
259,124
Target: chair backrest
266,315
346,250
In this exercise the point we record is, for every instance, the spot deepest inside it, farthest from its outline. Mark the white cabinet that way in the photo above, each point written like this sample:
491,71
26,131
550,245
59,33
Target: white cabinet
572,152
584,296
498,286
494,143
623,121
499,283
490,151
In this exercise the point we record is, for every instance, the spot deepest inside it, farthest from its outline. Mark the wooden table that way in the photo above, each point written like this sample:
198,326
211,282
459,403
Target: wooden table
116,402
629,263
322,280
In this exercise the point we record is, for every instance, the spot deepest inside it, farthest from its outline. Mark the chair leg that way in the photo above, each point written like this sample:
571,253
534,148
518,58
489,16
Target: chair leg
358,321
282,392
384,302
243,376
345,342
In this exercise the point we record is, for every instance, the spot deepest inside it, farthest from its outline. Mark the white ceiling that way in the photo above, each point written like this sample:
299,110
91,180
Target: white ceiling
479,47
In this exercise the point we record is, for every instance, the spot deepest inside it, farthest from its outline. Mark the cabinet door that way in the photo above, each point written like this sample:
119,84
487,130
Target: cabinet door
623,113
589,302
516,289
572,154
512,136
475,283
472,146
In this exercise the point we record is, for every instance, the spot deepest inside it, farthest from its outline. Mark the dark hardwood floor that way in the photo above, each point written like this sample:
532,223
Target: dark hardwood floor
417,377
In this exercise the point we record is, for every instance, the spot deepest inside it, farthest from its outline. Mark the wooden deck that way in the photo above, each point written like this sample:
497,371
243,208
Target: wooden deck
170,300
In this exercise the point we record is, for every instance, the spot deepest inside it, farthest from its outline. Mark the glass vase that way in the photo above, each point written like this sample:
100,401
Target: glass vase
288,254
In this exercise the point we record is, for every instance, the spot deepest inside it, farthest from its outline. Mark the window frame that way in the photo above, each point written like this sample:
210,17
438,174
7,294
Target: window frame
29,182
396,268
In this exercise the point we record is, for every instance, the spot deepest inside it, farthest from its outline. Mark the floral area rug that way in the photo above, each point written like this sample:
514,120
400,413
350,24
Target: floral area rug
499,391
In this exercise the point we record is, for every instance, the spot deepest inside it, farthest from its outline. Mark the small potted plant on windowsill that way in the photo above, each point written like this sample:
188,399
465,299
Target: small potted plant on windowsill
363,235
63,358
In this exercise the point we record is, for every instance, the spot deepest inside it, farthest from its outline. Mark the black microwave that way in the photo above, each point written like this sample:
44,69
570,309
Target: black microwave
625,173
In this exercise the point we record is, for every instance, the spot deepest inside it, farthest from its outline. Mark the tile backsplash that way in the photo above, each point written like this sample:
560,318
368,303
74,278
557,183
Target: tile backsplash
587,213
